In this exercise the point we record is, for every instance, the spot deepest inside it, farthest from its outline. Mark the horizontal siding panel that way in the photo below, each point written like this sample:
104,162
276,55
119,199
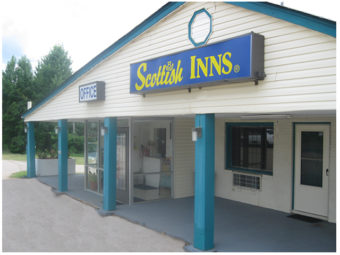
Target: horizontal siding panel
325,63
183,157
292,36
293,44
284,60
305,73
299,63
226,32
301,50
201,102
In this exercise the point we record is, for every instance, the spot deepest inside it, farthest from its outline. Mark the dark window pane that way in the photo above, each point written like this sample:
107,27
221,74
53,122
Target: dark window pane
252,147
311,158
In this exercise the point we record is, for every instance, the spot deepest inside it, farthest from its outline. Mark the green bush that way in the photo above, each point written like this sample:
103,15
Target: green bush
75,144
17,144
46,140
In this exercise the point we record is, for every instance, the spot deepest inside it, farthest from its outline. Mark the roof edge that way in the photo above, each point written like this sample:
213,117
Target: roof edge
146,24
310,21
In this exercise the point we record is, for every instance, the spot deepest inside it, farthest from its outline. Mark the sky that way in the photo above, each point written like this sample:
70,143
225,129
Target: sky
87,27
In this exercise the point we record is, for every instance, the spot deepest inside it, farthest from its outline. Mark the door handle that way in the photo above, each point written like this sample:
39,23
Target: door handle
327,171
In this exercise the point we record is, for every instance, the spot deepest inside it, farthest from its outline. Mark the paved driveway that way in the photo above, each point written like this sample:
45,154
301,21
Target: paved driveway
34,219
12,166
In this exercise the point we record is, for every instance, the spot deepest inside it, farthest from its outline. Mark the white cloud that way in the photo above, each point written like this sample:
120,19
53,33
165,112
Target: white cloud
87,27
84,27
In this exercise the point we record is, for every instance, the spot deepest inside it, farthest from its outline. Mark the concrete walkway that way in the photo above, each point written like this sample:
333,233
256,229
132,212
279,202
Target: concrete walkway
34,219
12,166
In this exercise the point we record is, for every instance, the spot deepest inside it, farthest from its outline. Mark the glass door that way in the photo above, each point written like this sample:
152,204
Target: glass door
93,160
152,160
94,163
92,156
122,165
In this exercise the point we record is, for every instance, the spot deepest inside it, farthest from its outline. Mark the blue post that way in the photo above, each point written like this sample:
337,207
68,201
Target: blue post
62,155
204,183
110,161
30,150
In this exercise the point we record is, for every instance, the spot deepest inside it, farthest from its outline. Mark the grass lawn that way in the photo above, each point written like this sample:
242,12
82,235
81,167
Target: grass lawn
13,156
79,159
22,157
21,174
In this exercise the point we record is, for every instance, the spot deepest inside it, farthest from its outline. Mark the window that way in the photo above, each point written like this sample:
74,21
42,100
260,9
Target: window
249,147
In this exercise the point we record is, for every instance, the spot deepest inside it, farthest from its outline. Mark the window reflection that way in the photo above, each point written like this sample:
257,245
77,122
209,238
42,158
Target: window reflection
152,147
252,148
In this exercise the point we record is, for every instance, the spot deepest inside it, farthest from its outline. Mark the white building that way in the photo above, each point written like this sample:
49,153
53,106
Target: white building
259,79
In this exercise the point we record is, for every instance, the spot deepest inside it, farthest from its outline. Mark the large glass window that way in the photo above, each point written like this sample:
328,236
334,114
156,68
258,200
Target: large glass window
94,164
152,157
249,147
94,157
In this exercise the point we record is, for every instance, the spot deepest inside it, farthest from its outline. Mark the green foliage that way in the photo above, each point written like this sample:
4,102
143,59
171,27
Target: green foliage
46,140
76,143
17,144
17,82
21,85
51,71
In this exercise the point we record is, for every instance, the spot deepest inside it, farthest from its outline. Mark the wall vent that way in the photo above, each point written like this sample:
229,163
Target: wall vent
247,181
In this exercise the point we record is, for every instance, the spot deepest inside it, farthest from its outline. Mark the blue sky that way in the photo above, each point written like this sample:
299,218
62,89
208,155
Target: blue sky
87,27
11,47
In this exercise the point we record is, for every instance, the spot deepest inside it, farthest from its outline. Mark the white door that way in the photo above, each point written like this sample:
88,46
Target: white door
311,169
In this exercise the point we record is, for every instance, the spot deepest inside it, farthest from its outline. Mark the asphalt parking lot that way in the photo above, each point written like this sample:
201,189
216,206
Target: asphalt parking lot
35,219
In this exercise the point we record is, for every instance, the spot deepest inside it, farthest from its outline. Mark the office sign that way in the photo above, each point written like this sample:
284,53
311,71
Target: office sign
94,91
235,60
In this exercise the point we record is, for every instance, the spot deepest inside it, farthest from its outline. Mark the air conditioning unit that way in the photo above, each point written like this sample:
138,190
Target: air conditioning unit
247,181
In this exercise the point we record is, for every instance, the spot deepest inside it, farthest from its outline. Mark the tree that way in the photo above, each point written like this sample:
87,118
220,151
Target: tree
17,81
21,85
51,71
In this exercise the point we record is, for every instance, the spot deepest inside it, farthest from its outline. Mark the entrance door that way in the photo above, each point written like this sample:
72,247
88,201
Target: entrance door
122,165
311,169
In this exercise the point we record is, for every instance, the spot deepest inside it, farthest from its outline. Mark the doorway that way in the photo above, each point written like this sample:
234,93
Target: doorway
311,170
94,160
152,154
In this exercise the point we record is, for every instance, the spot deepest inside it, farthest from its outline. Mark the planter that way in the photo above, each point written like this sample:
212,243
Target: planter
47,167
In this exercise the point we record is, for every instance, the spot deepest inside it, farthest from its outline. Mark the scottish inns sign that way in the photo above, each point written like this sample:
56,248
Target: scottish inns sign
235,60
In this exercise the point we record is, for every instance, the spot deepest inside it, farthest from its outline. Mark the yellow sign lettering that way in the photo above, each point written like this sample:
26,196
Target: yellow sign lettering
227,63
141,76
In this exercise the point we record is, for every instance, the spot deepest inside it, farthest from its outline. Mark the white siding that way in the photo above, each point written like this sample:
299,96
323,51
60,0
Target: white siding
184,157
276,190
299,63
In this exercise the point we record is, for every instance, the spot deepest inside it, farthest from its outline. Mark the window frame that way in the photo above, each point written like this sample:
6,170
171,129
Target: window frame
228,146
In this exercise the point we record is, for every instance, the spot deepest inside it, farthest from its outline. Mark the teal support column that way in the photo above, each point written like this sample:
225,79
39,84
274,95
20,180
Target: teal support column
30,150
204,183
62,156
110,162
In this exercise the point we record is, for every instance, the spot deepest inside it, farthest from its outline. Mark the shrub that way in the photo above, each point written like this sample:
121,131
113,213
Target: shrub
17,144
75,144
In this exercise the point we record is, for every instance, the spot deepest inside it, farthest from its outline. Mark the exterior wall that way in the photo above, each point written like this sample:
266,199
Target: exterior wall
276,191
299,63
184,157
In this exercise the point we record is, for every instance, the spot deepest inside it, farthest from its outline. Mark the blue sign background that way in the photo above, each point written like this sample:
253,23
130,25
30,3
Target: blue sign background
240,49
